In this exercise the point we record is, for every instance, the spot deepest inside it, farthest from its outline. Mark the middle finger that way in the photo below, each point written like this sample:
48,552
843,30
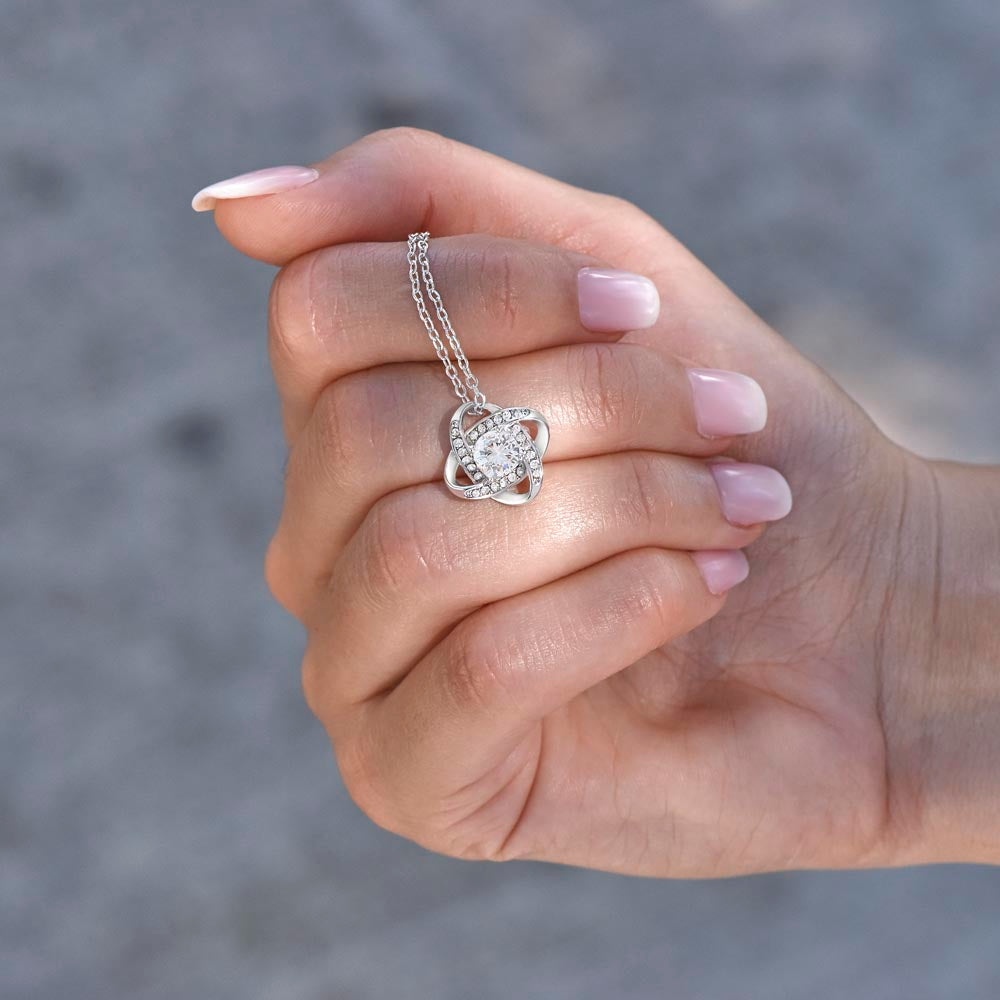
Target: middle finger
380,430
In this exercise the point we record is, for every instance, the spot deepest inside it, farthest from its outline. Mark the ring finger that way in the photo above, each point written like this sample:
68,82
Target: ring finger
422,561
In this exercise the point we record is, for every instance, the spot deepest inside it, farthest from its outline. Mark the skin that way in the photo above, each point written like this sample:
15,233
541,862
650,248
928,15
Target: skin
555,681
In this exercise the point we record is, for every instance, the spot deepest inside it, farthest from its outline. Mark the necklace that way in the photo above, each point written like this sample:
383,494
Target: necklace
496,456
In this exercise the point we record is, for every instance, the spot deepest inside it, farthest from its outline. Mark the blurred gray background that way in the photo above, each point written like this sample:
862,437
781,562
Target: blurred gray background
171,820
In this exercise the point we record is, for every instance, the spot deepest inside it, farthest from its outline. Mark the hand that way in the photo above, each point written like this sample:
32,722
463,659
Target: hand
530,682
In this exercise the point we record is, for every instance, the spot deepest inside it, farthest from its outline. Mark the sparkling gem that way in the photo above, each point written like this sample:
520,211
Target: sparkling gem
497,451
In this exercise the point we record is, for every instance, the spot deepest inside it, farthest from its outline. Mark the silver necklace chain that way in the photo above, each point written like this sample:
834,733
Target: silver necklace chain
466,384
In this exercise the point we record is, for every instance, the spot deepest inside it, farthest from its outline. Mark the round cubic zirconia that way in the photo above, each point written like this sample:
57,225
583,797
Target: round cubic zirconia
496,451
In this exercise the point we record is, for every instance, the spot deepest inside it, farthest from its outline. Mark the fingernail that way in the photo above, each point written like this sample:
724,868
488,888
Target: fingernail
612,301
722,570
751,494
726,403
271,180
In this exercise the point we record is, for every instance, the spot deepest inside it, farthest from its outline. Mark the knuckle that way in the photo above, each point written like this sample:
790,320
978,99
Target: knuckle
348,425
390,553
290,311
328,446
379,786
307,306
643,488
403,146
481,670
405,138
499,282
398,150
653,582
401,554
607,387
494,278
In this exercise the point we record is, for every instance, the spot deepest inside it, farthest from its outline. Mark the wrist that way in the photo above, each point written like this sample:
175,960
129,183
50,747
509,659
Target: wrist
940,676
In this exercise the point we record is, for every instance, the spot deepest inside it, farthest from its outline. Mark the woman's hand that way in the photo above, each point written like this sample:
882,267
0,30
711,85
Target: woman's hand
564,681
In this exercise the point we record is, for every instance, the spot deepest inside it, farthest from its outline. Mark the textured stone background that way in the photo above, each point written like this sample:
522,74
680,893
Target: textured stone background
171,823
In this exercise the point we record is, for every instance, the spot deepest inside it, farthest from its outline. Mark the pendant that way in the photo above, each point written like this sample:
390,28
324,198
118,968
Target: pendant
497,456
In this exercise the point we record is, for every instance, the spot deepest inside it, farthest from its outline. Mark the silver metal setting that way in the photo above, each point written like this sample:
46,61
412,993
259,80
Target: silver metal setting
521,478
497,456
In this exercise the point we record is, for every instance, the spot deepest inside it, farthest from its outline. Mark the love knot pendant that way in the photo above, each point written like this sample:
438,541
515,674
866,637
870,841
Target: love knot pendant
497,456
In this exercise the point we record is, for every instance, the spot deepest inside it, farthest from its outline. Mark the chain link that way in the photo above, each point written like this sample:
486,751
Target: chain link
466,384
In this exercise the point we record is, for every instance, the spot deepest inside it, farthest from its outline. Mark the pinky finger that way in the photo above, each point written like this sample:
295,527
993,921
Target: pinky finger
463,709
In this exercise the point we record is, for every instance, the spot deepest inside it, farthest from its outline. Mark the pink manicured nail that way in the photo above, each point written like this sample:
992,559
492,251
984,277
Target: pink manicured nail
726,403
271,180
613,301
751,494
722,570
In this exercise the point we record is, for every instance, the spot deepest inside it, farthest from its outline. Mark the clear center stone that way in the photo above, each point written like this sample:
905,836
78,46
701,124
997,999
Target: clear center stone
496,452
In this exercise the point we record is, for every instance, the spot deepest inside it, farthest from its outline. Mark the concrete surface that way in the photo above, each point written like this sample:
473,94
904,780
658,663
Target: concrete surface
171,823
